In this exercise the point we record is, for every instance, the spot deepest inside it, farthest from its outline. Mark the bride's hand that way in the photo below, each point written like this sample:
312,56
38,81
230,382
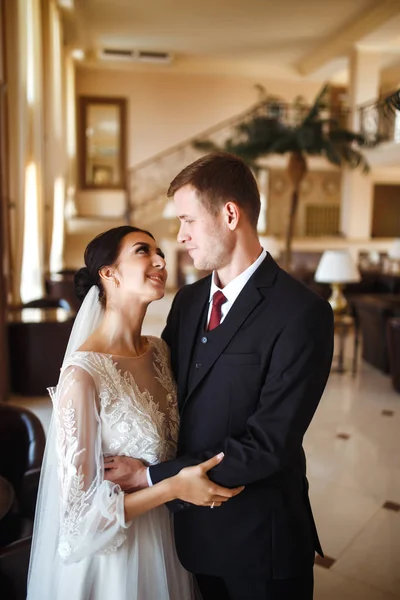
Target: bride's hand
192,485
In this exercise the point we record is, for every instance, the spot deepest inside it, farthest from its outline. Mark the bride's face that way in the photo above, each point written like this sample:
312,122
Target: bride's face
140,269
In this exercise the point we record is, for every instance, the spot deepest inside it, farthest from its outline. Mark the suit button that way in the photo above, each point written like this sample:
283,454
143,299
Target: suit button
198,365
204,340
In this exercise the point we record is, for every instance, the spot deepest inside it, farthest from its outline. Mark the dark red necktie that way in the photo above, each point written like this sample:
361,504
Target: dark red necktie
215,317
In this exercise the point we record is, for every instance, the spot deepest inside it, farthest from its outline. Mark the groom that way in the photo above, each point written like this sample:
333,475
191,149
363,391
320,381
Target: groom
251,350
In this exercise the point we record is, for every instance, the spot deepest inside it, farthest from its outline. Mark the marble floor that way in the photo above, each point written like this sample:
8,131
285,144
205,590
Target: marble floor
353,452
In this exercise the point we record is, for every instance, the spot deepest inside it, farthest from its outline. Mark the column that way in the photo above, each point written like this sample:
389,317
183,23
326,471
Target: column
357,188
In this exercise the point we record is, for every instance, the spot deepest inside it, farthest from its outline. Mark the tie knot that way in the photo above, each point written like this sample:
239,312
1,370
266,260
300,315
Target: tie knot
218,299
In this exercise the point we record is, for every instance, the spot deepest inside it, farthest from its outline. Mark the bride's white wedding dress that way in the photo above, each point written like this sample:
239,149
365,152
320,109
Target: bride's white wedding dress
83,549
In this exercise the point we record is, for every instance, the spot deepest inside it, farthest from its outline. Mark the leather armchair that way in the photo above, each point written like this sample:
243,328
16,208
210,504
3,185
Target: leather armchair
393,333
373,313
22,442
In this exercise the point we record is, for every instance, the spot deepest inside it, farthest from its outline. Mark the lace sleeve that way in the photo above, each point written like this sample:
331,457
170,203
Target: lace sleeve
91,510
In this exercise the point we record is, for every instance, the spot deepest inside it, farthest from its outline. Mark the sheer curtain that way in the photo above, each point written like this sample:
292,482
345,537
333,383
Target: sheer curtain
24,67
16,17
70,116
55,84
38,158
32,275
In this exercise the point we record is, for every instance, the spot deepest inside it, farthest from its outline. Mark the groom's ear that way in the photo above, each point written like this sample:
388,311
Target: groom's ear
231,214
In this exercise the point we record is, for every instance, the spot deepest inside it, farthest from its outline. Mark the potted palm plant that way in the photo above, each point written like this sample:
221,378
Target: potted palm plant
392,102
314,131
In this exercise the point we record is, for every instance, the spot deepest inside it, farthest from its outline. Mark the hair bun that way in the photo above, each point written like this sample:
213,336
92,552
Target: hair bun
83,281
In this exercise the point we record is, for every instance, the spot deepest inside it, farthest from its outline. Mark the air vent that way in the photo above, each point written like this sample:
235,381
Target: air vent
149,56
135,55
116,54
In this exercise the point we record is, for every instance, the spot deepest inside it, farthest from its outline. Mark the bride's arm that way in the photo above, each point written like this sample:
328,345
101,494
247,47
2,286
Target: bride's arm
94,512
92,517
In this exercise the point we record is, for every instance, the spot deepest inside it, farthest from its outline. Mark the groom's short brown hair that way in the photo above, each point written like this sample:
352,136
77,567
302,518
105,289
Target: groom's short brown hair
219,178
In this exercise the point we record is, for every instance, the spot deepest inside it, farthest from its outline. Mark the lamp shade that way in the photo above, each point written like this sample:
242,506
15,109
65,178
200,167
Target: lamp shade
394,251
169,211
336,266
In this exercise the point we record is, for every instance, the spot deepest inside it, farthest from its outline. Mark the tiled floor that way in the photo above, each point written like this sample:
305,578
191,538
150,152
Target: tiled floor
351,480
353,450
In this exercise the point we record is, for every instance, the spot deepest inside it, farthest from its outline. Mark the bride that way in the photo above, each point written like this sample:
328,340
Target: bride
115,396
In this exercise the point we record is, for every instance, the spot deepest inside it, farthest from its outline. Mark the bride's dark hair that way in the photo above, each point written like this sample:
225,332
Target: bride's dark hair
101,252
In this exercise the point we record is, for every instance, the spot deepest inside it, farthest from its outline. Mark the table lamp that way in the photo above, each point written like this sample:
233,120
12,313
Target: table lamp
169,214
394,251
169,211
394,256
337,268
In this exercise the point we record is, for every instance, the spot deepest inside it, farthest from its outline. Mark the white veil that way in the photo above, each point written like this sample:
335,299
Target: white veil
44,559
86,322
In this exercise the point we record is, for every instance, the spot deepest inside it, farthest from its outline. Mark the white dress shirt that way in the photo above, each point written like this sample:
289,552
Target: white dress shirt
231,291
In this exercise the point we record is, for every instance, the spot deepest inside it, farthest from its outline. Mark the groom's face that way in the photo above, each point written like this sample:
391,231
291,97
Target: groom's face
205,236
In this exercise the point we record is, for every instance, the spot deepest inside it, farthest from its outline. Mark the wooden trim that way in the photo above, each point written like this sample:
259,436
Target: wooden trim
83,103
4,234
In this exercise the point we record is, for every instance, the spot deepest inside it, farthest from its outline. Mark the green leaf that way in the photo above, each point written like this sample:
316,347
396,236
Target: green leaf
265,131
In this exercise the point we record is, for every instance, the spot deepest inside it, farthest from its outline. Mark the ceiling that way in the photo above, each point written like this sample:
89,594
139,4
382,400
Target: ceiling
273,37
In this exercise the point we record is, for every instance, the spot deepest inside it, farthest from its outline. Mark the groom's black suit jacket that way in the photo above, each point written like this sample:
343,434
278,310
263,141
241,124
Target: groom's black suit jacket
249,388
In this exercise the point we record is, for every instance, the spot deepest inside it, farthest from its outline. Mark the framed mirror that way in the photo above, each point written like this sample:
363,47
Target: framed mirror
102,140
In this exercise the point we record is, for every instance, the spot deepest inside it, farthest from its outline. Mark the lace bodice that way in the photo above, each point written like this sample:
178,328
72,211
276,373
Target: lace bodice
106,404
137,402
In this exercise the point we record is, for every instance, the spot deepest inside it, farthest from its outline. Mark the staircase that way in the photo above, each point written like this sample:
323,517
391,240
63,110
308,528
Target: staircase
147,185
149,180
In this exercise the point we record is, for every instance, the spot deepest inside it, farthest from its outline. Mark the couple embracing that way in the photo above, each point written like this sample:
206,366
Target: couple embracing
174,467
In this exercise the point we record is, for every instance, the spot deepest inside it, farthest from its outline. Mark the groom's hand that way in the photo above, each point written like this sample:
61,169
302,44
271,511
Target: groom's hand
129,473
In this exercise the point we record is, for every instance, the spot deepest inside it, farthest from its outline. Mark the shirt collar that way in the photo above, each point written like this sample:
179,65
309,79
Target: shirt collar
232,290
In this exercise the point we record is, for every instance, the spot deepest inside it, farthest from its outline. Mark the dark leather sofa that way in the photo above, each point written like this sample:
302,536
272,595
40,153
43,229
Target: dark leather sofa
393,336
373,313
373,301
22,441
371,283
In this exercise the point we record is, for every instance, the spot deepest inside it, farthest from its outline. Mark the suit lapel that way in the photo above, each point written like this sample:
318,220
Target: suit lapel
248,299
243,306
